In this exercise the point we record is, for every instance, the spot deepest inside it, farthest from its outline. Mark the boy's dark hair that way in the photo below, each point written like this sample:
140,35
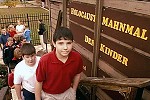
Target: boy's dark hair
22,38
12,65
2,27
28,49
40,20
62,32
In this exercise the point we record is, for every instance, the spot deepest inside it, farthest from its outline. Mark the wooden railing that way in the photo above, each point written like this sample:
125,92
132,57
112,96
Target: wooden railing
130,88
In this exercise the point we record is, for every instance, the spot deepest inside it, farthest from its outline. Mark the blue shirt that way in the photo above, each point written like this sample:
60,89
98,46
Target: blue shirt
27,35
3,38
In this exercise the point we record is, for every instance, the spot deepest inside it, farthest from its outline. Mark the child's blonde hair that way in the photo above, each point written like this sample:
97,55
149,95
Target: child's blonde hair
17,53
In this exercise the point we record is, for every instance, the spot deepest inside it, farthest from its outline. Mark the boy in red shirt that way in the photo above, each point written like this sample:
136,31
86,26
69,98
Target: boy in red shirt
11,30
11,75
11,79
58,73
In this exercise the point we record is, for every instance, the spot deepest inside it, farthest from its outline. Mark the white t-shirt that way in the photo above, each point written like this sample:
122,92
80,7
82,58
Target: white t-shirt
26,75
20,28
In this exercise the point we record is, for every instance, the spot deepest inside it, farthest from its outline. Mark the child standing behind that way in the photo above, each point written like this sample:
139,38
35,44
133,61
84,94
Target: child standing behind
24,74
11,30
11,79
17,56
41,31
20,28
27,33
8,51
4,36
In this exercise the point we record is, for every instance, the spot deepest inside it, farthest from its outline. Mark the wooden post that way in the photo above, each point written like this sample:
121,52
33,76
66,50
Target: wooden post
65,13
50,24
97,28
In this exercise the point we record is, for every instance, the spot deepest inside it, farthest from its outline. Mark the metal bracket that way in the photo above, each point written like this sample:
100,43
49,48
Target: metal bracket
125,92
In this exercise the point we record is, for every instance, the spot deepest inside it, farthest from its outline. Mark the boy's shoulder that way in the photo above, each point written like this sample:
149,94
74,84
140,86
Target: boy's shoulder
38,58
75,53
6,48
11,74
21,64
47,55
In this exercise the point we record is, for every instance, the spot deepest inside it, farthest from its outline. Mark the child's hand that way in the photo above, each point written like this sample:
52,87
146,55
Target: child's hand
12,87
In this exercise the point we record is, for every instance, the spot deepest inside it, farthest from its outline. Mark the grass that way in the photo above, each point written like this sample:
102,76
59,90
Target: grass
21,10
35,12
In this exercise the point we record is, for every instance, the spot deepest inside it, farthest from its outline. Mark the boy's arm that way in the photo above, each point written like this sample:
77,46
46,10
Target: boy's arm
18,91
76,81
12,87
38,89
10,81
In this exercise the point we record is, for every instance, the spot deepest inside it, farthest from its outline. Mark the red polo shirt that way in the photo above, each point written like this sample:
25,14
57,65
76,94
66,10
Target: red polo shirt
11,79
57,76
12,33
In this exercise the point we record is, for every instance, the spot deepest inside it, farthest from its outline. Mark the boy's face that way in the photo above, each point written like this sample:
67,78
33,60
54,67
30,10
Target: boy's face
19,55
30,60
23,41
10,42
63,48
18,22
3,31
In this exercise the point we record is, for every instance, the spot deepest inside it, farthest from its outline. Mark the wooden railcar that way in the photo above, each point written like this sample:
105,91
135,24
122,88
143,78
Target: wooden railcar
113,38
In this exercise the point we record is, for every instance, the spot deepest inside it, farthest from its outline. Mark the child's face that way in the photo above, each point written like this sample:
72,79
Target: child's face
23,41
18,22
10,42
63,47
3,31
30,60
19,55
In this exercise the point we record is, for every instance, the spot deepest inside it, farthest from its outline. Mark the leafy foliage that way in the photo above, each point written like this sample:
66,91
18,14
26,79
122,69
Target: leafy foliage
3,76
10,3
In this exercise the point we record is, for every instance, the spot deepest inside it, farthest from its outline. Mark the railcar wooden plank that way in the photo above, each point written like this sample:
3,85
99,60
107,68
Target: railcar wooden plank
128,5
125,82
